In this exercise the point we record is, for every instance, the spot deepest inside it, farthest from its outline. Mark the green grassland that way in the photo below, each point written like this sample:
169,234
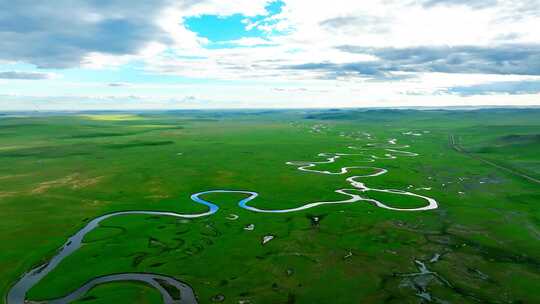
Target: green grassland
59,171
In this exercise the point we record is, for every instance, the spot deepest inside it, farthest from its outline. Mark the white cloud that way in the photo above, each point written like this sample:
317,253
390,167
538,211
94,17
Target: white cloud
20,75
247,8
315,31
318,53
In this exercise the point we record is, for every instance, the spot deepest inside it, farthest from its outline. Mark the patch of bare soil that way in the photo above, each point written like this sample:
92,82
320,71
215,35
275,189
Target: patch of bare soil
73,181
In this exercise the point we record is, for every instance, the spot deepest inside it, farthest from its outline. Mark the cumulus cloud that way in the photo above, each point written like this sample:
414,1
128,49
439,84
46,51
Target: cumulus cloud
338,50
403,63
59,34
63,33
118,84
502,87
476,4
25,75
522,59
379,40
351,23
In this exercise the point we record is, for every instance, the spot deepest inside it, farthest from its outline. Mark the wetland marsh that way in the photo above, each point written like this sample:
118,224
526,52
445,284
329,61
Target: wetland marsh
269,206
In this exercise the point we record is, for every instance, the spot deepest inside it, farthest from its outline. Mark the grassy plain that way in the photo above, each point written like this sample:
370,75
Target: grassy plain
59,171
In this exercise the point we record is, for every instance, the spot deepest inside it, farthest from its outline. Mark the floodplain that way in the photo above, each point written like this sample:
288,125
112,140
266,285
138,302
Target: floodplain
277,206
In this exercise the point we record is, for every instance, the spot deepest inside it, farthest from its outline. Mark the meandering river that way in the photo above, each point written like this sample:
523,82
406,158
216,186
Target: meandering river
174,291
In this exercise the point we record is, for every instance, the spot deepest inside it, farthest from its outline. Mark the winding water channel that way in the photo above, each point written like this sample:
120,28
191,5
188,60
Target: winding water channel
174,291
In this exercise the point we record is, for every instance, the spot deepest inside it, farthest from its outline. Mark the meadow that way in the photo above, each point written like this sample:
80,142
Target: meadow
480,245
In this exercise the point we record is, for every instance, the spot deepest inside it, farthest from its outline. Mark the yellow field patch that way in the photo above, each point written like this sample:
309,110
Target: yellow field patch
150,126
112,117
73,181
12,176
4,194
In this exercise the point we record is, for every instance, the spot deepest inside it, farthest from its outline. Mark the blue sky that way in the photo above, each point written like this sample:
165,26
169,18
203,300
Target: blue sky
220,29
123,54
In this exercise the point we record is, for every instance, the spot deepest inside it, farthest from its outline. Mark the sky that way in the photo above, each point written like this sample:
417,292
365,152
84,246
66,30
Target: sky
208,54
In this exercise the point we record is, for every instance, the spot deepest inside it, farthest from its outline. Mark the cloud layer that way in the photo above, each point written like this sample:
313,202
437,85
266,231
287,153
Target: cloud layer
25,75
504,87
376,51
60,34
